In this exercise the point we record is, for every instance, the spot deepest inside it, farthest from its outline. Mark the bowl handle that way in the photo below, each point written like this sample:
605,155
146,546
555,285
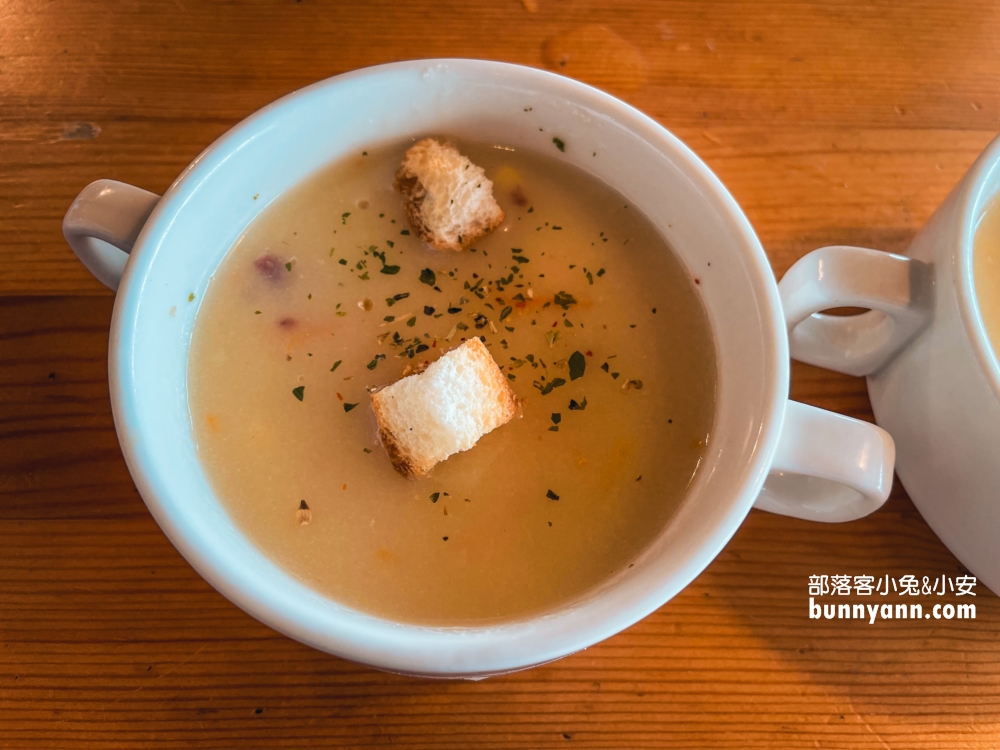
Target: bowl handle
102,226
896,290
828,467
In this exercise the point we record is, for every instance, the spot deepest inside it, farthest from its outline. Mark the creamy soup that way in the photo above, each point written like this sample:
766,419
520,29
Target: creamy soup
329,295
986,270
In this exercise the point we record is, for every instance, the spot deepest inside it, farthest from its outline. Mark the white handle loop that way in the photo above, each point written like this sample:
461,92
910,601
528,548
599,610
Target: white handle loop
102,226
897,291
828,467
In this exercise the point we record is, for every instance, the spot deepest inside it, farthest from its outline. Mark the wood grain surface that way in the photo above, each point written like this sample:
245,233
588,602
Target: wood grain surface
831,122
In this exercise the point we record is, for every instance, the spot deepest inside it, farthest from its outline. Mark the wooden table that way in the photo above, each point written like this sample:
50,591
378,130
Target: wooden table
831,122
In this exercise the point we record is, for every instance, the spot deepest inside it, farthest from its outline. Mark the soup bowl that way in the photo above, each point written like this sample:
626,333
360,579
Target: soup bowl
160,255
933,375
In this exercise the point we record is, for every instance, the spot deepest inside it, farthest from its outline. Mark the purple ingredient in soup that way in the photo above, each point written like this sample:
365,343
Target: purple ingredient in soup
287,322
269,266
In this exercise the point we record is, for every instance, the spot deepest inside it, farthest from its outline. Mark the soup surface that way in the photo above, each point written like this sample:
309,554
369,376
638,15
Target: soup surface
986,270
329,295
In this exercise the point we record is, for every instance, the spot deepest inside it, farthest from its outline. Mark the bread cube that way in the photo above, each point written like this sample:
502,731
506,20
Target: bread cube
446,409
449,200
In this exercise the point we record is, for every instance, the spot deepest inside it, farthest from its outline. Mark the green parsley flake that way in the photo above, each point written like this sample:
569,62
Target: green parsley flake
348,407
427,277
577,365
546,388
561,145
564,300
336,365
299,392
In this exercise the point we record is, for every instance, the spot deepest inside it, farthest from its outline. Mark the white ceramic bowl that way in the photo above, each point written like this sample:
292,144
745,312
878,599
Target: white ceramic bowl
933,375
186,234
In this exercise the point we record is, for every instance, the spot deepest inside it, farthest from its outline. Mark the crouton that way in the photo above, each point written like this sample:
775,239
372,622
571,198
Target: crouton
449,200
425,418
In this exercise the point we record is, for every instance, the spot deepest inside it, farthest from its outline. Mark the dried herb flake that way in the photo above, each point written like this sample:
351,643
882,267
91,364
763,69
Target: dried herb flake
564,300
546,388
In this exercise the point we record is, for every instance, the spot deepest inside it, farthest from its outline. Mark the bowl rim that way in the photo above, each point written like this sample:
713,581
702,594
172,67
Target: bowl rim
974,201
489,646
